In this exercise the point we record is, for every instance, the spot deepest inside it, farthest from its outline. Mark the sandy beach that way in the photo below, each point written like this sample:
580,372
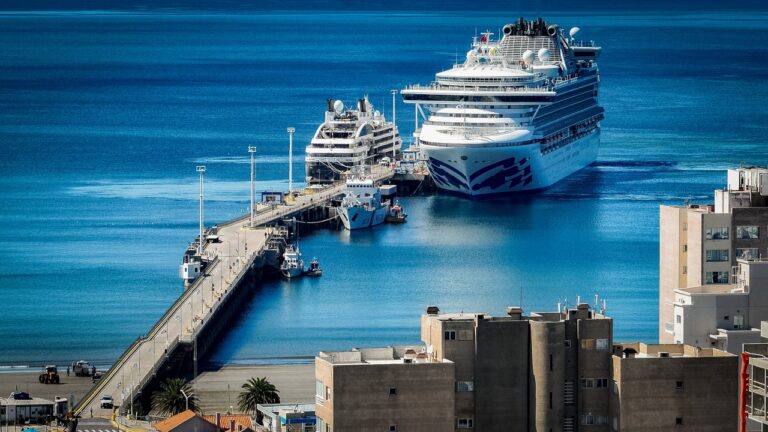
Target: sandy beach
215,388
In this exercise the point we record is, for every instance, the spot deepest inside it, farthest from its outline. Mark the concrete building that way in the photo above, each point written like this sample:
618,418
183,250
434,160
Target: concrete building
543,372
546,372
723,316
383,389
284,417
673,387
699,244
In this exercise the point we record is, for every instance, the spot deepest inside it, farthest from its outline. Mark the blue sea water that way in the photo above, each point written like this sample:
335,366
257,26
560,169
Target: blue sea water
103,118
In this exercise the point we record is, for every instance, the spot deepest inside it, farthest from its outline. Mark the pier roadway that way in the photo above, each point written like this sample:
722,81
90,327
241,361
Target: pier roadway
230,256
237,246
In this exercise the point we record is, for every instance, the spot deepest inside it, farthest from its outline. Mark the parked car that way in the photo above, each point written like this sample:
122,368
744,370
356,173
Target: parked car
106,402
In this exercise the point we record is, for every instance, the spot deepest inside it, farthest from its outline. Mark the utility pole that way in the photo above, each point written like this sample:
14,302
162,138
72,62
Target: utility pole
201,170
394,126
252,151
290,161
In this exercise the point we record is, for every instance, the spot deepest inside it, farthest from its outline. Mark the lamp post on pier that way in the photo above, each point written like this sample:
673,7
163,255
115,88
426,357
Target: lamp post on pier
201,169
290,160
252,151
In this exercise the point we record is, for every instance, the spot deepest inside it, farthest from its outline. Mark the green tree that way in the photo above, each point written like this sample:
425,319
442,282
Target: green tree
257,391
169,399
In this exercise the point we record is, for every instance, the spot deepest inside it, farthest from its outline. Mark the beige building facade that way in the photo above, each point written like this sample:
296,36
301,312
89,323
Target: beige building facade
700,244
673,387
383,389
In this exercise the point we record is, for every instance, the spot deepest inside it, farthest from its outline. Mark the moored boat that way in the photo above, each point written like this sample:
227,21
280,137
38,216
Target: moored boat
314,269
396,214
293,264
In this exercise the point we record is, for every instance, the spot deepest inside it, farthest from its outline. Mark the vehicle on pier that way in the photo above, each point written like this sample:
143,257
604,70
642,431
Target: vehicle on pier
293,264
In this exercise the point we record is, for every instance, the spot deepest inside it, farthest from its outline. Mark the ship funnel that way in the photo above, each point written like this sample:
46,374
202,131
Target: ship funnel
552,30
361,105
330,104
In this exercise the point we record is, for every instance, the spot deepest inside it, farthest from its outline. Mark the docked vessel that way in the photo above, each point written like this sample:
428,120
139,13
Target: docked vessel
349,138
314,269
293,264
520,113
362,206
396,214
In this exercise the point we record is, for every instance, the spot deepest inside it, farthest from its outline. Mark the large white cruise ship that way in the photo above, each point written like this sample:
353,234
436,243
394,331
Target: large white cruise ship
349,138
519,114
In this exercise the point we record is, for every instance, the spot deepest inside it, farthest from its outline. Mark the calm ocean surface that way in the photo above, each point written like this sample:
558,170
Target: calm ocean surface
104,117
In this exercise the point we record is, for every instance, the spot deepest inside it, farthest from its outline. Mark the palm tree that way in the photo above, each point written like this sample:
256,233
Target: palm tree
169,399
257,391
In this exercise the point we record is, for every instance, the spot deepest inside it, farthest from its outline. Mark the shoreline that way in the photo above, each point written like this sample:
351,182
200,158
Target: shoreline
216,388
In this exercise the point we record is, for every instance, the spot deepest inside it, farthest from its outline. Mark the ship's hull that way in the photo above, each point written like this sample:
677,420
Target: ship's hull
483,171
355,218
291,272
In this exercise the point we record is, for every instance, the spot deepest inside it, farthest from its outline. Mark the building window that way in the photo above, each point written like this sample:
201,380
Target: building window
567,343
465,386
465,423
601,420
327,393
717,255
720,277
392,428
678,385
550,400
587,383
747,232
685,269
601,382
717,233
602,344
738,321
588,344
327,427
551,363
319,394
685,248
588,419
679,420
678,319
393,391
450,335
747,253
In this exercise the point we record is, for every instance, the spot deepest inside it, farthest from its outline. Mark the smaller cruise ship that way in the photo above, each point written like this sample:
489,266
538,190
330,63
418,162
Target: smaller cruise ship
362,206
349,138
293,264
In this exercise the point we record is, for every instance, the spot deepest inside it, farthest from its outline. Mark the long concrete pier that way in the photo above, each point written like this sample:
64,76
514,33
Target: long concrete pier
239,252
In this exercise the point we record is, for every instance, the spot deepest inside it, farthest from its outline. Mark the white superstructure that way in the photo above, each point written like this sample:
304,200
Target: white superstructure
362,206
349,138
519,114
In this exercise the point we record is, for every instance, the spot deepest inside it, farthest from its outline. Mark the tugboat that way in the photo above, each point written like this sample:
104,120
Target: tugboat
396,214
293,265
314,268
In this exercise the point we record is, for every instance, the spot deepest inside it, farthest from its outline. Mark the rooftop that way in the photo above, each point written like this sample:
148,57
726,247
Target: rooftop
242,422
385,355
25,402
640,350
581,311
